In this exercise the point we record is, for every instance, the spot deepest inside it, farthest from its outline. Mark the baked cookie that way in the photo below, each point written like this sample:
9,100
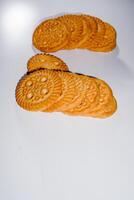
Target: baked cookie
96,38
75,26
67,94
108,41
38,90
88,31
50,36
104,94
79,93
106,110
90,93
46,61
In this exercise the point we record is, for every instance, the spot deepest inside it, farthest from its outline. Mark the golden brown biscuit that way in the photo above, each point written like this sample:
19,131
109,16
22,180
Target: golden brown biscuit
79,93
89,30
38,90
67,94
75,26
91,91
46,61
105,93
96,37
51,35
106,110
108,42
101,29
86,31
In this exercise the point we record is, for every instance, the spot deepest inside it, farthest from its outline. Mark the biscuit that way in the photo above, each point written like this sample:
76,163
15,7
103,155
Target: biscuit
94,40
90,93
75,26
106,110
67,94
101,29
47,61
89,30
50,36
85,33
38,90
105,93
79,93
108,42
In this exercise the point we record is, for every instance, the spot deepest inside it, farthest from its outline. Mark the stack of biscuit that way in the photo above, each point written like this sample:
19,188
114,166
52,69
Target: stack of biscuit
49,86
74,31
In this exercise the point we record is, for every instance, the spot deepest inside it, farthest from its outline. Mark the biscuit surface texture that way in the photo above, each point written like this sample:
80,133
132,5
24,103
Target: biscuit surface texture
38,90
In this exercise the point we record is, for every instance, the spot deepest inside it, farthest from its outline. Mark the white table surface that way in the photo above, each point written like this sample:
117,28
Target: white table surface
53,156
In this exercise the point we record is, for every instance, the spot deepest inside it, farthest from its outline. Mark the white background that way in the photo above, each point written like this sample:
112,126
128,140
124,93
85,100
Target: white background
53,156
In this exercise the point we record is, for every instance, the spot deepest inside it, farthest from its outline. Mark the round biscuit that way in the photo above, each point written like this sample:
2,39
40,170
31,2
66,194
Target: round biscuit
79,93
38,90
104,94
67,94
50,36
92,29
106,110
46,61
75,26
108,42
90,93
93,40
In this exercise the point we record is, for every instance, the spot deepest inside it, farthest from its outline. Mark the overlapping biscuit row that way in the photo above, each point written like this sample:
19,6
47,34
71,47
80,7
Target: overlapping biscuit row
50,87
74,31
